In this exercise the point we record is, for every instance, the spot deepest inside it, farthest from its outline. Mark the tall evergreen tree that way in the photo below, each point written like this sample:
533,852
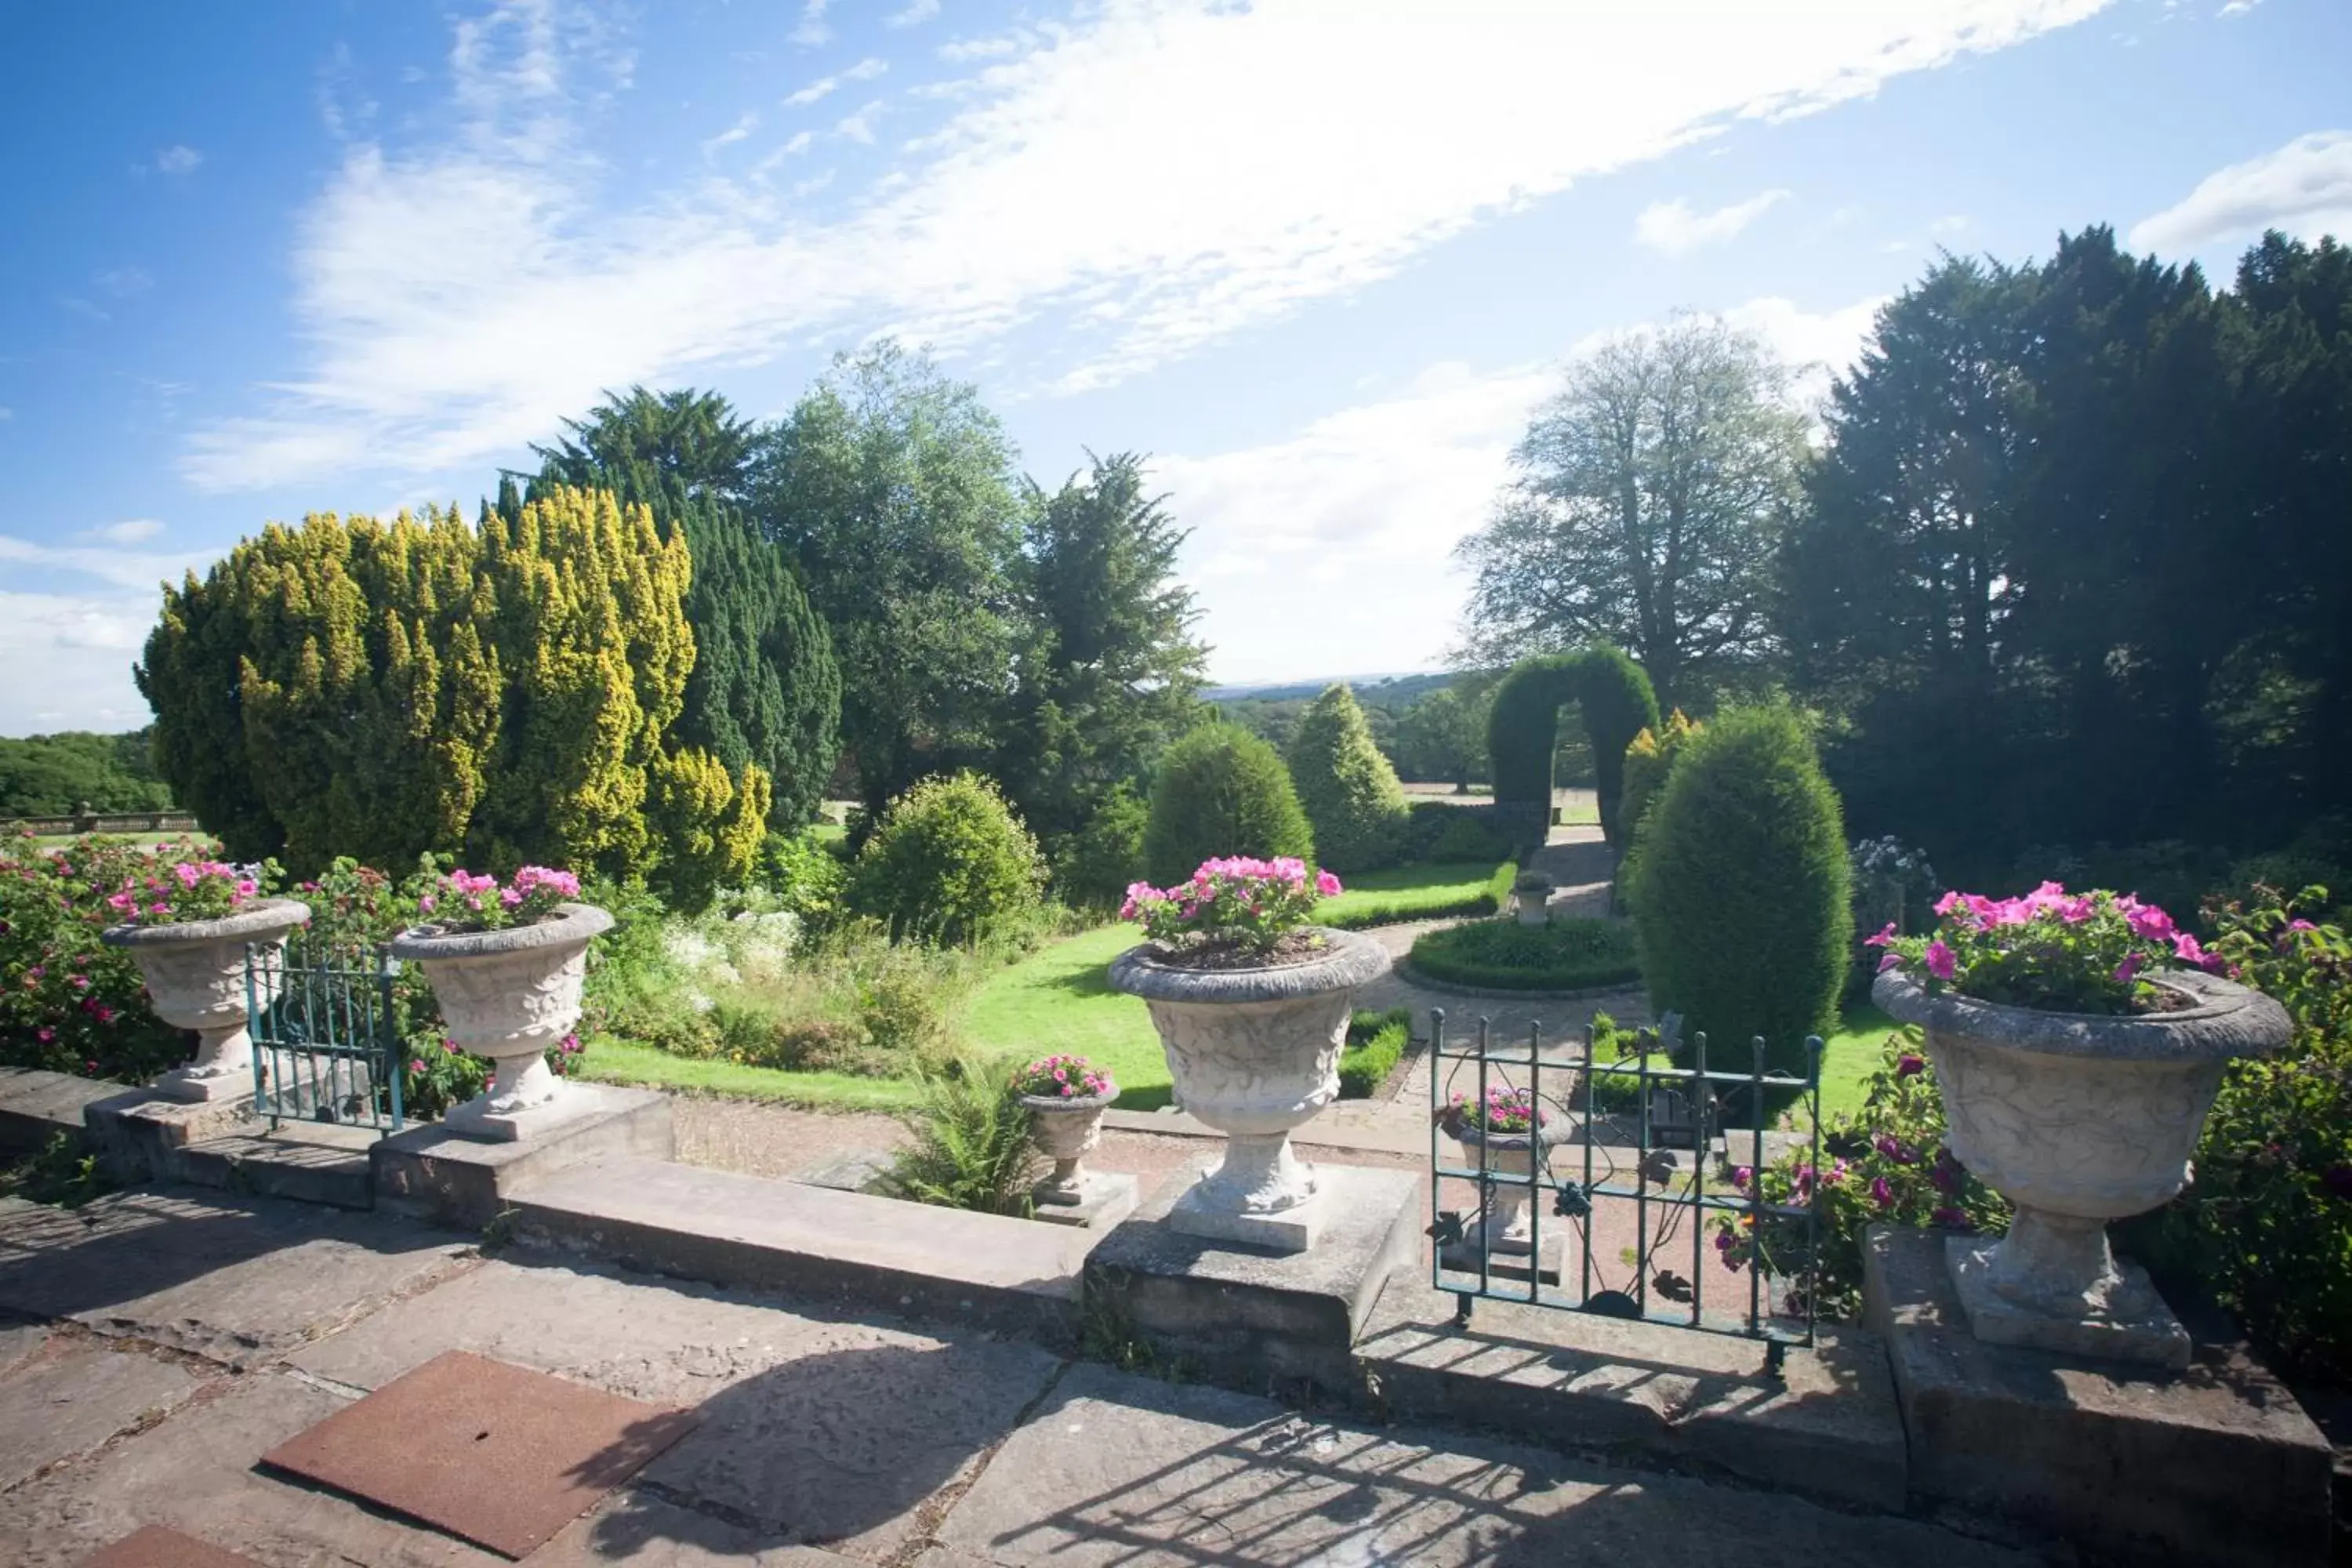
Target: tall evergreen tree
765,689
891,486
1349,790
1110,670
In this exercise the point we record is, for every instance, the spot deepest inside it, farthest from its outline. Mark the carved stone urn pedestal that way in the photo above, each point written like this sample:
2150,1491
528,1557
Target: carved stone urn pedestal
196,980
1505,1226
1066,1131
2078,1120
511,995
1256,1054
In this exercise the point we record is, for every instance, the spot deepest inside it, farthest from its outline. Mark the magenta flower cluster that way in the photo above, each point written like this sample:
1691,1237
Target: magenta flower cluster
1504,1109
185,891
475,898
1237,899
2081,952
1063,1077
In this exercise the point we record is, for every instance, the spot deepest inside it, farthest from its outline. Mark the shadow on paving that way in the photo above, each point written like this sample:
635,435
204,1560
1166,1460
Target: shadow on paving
810,1448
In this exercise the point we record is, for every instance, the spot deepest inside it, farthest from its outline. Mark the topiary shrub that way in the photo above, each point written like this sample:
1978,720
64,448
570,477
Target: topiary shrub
948,860
1741,894
1349,790
1094,866
1523,726
1218,790
1649,759
1504,955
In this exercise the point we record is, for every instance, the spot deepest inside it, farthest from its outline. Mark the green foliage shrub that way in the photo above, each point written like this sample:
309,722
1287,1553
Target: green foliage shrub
1220,791
1348,789
1742,891
1504,955
1523,725
949,861
1094,867
801,873
1465,837
972,1148
1376,1043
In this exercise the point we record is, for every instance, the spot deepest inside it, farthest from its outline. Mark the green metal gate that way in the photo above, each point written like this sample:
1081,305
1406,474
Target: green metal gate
326,1047
1620,1174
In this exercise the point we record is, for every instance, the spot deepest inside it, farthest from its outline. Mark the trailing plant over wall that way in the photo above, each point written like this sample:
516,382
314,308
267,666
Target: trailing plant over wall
1523,727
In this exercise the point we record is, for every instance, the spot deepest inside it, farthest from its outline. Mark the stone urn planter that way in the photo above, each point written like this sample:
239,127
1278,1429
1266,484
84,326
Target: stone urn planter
1531,899
2078,1120
196,979
1505,1225
509,994
1256,1054
1066,1131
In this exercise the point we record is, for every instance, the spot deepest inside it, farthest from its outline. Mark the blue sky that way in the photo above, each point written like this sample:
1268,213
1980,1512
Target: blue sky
1319,257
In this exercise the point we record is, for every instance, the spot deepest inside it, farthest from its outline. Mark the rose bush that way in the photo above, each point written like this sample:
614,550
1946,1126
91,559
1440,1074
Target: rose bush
1236,901
67,1003
2050,950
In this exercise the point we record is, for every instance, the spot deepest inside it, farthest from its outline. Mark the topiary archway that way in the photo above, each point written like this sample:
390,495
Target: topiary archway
1523,728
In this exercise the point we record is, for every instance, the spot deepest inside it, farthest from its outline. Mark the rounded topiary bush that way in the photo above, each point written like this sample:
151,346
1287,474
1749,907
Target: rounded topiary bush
1220,790
1346,787
1740,894
1504,955
1093,867
948,860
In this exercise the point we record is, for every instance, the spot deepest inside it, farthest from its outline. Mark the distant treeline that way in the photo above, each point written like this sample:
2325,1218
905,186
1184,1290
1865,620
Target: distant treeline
51,776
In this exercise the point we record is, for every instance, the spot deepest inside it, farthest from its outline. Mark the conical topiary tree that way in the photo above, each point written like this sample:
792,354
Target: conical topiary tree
1741,892
1349,790
1218,790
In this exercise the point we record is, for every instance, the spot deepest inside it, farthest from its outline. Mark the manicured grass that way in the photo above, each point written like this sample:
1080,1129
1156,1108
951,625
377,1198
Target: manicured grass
1057,999
1417,893
1851,1056
608,1061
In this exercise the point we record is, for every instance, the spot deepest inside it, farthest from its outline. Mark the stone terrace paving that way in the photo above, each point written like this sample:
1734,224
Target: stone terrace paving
157,1343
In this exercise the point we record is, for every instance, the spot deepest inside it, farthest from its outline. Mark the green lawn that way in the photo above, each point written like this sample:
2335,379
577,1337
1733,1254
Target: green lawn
608,1061
1059,999
1415,892
1850,1055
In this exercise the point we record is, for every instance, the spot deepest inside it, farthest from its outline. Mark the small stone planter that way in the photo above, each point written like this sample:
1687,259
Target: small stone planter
1066,1131
1505,1225
196,980
511,995
1531,899
2078,1120
1256,1054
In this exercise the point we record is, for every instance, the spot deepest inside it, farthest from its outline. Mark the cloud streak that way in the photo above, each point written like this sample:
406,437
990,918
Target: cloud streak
1156,179
2303,188
1676,228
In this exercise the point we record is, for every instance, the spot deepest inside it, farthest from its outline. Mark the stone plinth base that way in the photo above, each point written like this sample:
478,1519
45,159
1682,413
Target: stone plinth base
1246,1318
2153,1337
1291,1230
437,1174
1506,1260
1105,1198
2213,1465
572,1102
182,1085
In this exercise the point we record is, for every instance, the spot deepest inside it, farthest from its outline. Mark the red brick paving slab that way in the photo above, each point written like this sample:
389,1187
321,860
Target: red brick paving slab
154,1546
495,1454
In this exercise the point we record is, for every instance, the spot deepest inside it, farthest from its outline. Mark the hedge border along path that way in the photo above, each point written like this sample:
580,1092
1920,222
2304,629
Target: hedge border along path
1439,960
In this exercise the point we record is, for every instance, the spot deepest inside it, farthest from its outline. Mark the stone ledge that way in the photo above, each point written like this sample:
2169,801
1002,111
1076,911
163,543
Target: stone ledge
726,1229
434,1173
36,1106
2217,1464
1576,1381
139,1133
315,1162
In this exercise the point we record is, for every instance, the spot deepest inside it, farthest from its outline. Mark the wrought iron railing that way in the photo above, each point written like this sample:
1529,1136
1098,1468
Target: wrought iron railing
1599,1157
326,1047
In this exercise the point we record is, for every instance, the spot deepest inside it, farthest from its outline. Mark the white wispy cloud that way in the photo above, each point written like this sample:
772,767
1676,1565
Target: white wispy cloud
920,12
178,160
860,126
2303,188
824,86
133,531
741,129
73,620
1375,496
1237,165
1676,227
811,29
125,282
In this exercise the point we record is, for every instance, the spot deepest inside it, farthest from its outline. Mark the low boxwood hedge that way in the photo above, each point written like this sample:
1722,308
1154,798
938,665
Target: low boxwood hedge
1417,904
1504,955
1375,1043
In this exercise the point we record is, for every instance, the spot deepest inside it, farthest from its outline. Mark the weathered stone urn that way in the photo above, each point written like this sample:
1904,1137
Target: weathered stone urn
511,995
196,980
1066,1131
1256,1054
1505,1225
2078,1120
1531,899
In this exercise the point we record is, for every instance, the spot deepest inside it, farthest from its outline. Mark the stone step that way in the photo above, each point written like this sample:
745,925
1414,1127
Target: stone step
315,1162
1644,1391
726,1229
36,1106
